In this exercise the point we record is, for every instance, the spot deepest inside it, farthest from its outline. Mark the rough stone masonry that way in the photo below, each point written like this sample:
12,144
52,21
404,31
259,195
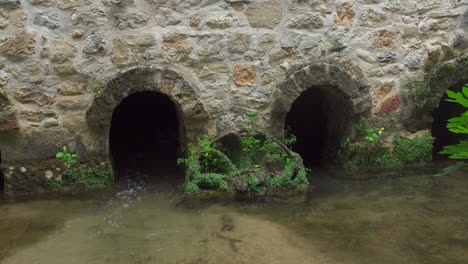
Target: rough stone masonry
214,59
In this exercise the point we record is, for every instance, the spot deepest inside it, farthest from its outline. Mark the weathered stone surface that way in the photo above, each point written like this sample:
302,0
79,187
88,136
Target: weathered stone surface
10,3
3,79
47,19
72,104
344,15
195,22
244,74
391,104
266,43
61,52
238,43
264,14
72,88
41,2
130,48
414,61
373,19
309,21
366,55
29,71
130,20
22,44
117,2
386,57
279,56
384,89
67,4
176,47
222,20
321,5
290,39
167,17
29,95
93,17
384,39
211,45
95,43
8,121
37,116
77,34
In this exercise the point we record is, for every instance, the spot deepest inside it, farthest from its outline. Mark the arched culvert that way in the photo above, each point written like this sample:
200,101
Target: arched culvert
144,135
319,119
445,111
318,103
155,93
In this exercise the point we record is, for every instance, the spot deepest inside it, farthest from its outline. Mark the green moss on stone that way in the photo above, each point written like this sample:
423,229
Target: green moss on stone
406,151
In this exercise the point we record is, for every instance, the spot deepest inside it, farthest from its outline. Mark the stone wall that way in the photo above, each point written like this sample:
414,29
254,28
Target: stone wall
215,59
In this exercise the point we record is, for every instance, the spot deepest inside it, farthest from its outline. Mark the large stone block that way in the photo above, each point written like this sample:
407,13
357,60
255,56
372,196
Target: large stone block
264,14
222,20
30,71
22,44
309,21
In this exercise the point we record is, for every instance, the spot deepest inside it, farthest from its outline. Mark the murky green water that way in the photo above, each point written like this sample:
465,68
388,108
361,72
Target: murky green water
397,217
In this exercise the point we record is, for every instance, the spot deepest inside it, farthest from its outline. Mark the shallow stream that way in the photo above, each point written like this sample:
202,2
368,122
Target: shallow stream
395,217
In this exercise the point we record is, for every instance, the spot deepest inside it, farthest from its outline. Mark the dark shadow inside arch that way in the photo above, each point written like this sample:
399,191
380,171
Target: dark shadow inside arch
144,138
445,111
319,118
2,178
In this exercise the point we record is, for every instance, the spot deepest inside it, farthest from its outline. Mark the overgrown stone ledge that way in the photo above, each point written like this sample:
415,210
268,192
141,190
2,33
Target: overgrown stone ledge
252,164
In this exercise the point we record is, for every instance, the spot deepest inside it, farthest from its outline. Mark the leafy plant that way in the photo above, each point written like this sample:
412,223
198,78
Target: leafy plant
78,174
265,163
68,159
374,152
96,88
458,125
367,131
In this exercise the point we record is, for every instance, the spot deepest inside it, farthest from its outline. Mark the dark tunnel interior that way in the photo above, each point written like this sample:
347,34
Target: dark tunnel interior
2,178
319,118
144,137
445,111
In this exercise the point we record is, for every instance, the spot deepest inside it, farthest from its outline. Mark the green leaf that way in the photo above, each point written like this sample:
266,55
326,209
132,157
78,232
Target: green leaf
59,155
74,156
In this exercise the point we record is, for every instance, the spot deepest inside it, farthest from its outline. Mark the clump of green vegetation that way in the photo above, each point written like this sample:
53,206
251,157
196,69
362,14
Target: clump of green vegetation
420,91
96,88
78,174
458,125
259,163
373,152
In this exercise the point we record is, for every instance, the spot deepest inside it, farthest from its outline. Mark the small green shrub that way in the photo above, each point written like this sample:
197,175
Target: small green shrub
415,150
78,174
377,154
208,167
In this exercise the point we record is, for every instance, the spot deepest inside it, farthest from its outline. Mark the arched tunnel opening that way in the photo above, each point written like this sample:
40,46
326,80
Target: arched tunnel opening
319,119
445,111
144,138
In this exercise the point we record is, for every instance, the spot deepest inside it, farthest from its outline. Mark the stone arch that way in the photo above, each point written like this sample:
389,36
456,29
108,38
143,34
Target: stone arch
428,108
192,113
425,96
336,86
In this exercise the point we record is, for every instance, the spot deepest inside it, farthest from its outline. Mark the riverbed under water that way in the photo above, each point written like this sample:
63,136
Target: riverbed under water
395,217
